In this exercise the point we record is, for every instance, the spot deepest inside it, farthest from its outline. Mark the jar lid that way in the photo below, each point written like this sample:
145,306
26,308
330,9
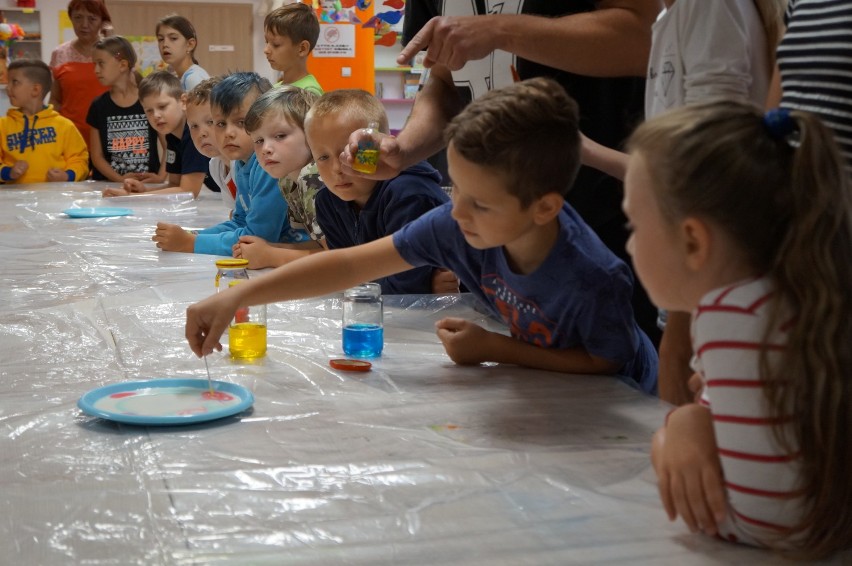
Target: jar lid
350,365
231,263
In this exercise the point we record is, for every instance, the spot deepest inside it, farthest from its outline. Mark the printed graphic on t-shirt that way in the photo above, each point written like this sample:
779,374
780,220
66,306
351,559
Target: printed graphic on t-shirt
128,143
495,70
525,319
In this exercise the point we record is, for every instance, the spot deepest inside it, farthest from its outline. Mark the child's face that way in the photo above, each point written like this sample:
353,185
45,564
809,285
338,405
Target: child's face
108,68
327,136
281,52
231,137
173,46
21,90
487,214
280,146
200,122
655,244
164,113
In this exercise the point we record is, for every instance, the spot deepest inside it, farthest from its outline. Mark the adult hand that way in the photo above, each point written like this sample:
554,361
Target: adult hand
452,41
390,156
56,175
173,238
465,342
689,473
208,319
18,170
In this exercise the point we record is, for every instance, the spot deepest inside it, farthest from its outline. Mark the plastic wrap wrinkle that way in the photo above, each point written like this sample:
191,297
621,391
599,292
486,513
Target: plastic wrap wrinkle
418,461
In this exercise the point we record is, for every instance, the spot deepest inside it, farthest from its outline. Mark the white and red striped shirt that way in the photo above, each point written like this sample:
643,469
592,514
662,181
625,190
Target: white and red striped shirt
760,476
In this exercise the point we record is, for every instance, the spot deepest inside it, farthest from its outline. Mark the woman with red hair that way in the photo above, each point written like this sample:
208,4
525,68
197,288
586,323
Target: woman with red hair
75,84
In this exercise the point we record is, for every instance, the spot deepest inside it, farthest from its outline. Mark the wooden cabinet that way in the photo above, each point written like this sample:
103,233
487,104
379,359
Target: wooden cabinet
29,46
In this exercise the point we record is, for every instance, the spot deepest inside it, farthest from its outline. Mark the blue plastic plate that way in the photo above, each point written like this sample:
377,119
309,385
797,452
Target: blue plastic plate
97,212
166,402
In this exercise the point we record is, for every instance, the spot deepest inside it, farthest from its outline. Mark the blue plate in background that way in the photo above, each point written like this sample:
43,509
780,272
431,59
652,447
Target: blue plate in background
97,212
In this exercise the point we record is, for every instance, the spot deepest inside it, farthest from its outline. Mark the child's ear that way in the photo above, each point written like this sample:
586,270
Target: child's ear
182,101
697,242
547,207
192,43
304,48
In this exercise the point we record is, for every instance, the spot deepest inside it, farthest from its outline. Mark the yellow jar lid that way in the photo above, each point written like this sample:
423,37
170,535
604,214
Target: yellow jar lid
231,263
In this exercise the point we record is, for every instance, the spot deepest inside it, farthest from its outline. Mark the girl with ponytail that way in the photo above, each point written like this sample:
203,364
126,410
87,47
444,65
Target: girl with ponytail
745,220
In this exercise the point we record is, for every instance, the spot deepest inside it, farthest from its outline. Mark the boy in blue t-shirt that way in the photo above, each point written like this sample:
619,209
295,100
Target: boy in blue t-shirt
260,208
161,97
510,238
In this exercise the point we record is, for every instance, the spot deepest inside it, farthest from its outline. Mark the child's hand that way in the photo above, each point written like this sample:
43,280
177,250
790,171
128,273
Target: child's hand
145,177
689,474
56,175
207,320
465,342
696,386
134,186
390,157
18,170
444,281
255,250
114,192
173,238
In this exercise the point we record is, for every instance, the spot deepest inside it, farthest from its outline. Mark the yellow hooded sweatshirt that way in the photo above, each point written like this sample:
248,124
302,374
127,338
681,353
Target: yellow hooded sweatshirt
45,140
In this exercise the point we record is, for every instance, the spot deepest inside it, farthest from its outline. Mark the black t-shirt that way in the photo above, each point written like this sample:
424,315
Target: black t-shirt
128,142
182,158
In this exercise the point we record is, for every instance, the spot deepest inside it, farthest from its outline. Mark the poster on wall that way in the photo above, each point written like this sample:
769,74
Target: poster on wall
335,40
147,54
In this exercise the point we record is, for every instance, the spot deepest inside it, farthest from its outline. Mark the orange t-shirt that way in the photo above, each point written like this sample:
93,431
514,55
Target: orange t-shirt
79,86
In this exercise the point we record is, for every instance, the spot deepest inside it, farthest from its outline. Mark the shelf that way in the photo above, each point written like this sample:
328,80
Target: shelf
397,100
393,69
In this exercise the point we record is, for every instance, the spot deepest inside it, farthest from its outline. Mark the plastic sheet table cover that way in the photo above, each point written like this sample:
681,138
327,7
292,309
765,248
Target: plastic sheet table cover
419,461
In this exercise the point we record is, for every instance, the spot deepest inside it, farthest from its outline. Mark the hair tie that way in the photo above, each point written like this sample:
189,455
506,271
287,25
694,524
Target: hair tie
778,123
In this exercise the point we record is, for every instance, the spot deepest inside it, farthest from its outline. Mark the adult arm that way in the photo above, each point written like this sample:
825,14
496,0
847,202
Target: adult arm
611,41
56,95
312,276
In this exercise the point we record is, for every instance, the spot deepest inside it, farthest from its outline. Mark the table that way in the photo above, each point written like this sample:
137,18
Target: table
418,462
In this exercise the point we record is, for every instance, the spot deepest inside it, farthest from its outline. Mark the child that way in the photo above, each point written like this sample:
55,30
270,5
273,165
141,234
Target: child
276,123
508,235
746,221
177,40
260,210
199,119
162,100
291,32
354,210
38,145
123,144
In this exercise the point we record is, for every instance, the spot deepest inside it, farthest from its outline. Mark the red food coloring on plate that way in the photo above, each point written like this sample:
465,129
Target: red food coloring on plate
124,394
216,396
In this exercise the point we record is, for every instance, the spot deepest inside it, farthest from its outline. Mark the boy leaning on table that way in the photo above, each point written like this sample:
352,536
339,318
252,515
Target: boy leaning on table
38,145
510,238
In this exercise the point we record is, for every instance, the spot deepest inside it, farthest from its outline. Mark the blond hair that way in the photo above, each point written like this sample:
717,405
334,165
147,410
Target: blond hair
354,103
291,102
778,188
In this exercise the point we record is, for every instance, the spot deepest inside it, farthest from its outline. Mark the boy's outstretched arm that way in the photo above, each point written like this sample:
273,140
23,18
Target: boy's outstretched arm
469,343
312,276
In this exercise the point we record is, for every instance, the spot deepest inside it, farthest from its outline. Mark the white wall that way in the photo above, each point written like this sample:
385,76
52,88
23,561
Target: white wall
49,12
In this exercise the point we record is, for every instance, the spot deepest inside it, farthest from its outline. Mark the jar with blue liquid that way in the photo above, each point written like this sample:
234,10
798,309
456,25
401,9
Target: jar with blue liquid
363,332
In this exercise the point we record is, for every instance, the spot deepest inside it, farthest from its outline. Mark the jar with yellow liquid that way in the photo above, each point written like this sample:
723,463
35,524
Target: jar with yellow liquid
228,270
366,159
247,333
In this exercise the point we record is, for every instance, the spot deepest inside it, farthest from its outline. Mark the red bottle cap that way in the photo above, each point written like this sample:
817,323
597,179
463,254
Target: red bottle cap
350,365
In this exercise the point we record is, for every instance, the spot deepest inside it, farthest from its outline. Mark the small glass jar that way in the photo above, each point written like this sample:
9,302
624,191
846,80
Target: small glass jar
366,159
230,270
363,331
247,333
